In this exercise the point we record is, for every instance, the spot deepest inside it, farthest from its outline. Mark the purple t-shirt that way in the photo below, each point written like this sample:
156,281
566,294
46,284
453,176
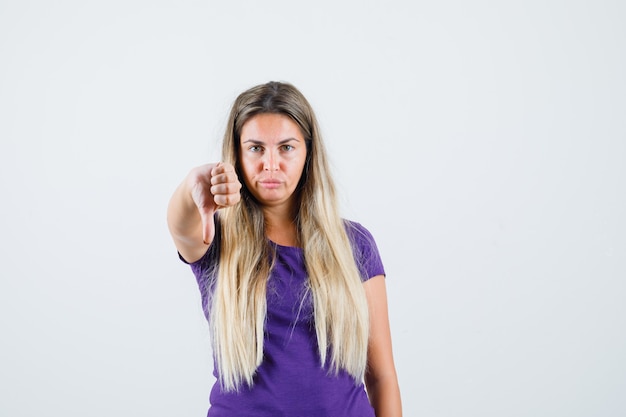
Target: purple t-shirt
290,381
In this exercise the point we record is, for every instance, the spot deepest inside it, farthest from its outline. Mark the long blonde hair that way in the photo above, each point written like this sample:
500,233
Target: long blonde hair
238,305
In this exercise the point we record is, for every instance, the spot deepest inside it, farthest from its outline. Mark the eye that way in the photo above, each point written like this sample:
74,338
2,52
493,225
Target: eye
255,148
287,148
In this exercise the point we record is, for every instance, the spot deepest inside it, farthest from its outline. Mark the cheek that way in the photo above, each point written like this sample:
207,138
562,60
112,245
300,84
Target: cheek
302,162
250,172
297,170
248,162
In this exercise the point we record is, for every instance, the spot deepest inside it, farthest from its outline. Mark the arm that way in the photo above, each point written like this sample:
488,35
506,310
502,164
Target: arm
193,204
380,377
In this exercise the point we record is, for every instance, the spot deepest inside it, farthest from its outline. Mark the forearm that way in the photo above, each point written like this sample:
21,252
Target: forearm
384,395
190,232
183,218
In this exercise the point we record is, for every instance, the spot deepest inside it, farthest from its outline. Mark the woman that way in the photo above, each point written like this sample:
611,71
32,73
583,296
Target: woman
294,295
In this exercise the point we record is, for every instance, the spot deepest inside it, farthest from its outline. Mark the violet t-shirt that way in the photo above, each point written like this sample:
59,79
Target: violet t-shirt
290,381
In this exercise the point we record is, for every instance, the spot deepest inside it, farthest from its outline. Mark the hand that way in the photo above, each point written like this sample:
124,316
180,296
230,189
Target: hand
213,186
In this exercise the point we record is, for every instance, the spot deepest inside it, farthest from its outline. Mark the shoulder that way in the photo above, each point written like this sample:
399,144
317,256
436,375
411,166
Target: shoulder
358,234
364,249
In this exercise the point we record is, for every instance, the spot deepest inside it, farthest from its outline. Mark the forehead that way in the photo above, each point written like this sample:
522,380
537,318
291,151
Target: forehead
270,127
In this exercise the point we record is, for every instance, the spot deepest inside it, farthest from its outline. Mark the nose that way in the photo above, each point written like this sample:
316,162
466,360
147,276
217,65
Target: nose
270,162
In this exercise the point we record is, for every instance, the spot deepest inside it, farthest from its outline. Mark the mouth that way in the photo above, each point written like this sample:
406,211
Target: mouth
270,183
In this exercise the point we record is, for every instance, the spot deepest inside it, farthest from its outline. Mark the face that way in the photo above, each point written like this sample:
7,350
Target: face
272,155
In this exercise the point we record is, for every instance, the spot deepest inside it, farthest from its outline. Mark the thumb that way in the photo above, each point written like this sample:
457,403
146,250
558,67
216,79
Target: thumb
206,208
206,216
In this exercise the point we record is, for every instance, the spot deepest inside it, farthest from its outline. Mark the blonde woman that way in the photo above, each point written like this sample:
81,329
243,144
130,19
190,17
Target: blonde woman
294,295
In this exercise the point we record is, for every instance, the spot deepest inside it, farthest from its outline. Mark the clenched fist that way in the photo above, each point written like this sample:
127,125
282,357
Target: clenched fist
213,186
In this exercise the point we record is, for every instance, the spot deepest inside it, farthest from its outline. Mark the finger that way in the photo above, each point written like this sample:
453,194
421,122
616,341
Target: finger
221,178
222,168
217,169
226,200
226,188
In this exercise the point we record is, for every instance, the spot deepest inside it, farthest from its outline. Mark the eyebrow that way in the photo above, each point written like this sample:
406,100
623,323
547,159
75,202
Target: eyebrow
260,142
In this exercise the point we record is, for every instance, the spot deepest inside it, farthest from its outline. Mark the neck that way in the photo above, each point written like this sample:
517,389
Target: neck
280,226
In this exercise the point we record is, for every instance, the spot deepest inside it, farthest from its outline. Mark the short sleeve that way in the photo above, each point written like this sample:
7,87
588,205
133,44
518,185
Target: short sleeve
365,251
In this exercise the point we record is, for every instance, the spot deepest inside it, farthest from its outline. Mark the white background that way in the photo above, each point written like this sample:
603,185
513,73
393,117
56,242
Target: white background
482,143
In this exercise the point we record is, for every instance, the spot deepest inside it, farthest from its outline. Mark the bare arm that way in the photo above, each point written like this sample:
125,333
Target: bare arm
193,204
380,378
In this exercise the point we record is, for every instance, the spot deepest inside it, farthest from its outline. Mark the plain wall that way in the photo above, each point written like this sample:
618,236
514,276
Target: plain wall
482,143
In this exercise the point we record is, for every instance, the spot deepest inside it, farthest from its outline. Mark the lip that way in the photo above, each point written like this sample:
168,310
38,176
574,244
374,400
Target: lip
270,184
